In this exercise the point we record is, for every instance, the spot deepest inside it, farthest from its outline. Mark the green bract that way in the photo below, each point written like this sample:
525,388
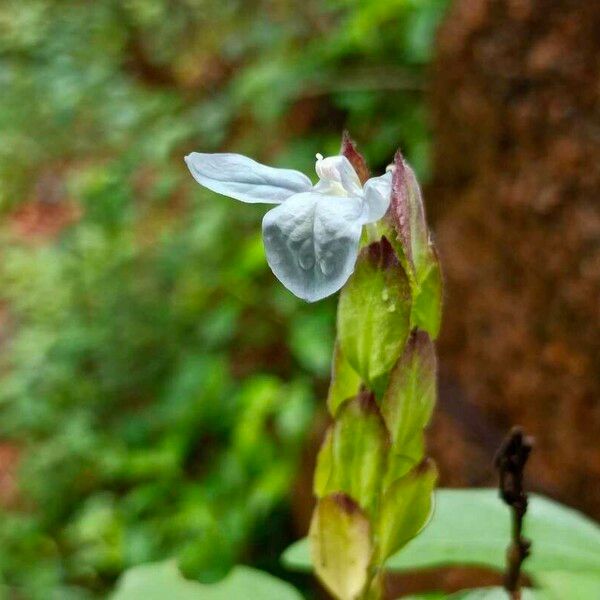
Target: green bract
406,507
406,228
341,545
345,381
411,393
353,457
374,312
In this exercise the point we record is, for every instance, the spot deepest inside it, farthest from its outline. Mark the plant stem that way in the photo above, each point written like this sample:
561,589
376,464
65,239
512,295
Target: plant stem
510,461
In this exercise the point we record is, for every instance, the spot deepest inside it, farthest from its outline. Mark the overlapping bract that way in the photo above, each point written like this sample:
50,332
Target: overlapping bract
381,397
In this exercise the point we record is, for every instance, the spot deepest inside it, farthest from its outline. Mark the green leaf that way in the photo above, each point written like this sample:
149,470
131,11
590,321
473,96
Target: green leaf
558,585
341,545
374,312
562,538
158,581
405,509
472,527
426,596
493,593
411,393
345,381
354,454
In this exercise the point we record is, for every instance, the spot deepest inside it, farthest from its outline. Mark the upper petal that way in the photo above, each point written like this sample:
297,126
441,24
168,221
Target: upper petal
245,179
377,195
337,176
311,242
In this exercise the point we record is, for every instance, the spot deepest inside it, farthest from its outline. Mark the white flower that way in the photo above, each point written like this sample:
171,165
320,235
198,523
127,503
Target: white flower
311,239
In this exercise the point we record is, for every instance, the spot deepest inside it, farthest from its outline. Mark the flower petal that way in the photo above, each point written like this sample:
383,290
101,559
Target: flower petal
245,179
311,242
337,176
377,195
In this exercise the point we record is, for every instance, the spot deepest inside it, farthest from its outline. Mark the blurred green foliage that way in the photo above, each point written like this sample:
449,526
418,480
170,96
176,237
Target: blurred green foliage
156,382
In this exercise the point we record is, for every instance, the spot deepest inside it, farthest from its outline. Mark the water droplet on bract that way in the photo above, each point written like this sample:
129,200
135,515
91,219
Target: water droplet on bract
385,295
391,307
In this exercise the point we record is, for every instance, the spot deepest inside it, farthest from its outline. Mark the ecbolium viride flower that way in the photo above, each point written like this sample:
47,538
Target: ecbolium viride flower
312,237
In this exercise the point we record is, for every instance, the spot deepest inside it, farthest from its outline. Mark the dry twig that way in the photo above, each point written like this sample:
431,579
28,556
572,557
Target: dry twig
510,461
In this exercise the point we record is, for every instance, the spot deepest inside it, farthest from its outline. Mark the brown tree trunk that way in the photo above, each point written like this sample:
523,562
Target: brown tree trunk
515,203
